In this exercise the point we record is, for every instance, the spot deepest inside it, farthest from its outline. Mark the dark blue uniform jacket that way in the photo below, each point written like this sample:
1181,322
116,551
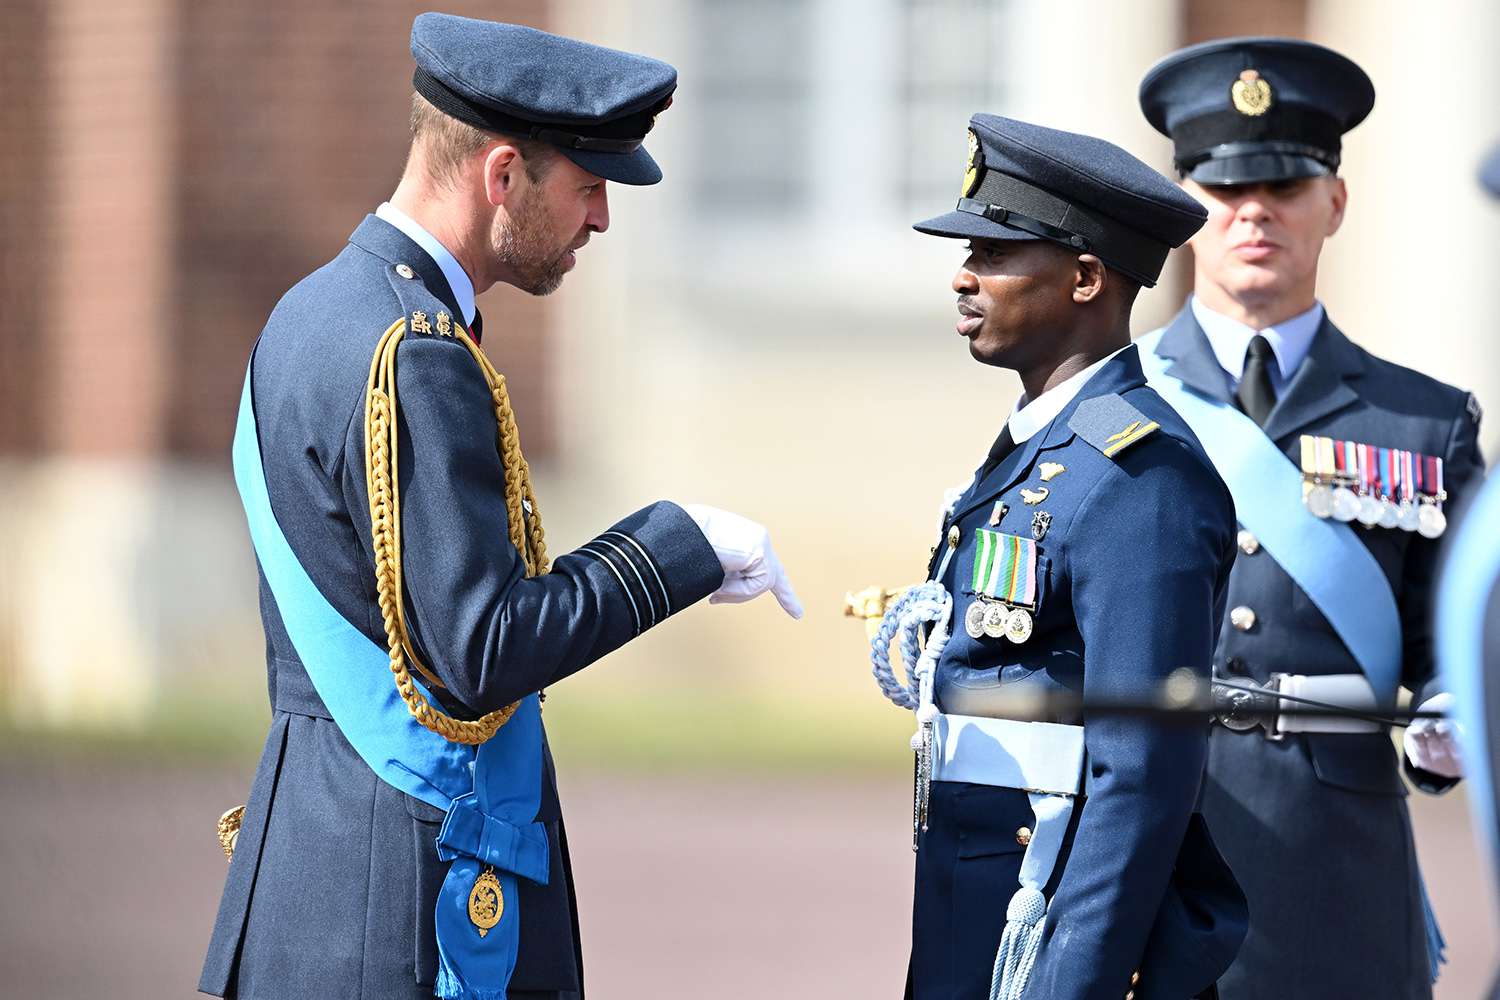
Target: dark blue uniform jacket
1132,575
1315,825
333,884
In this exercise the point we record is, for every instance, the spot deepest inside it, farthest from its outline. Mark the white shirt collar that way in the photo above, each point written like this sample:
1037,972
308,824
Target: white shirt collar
458,278
1290,339
1030,416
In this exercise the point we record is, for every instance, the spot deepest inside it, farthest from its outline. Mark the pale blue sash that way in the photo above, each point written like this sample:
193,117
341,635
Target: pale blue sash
1324,558
491,797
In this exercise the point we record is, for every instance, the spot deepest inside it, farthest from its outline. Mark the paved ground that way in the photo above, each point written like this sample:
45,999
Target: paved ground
109,877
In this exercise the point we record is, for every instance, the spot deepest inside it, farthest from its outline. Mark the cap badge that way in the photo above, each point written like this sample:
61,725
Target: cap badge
971,169
1251,94
659,112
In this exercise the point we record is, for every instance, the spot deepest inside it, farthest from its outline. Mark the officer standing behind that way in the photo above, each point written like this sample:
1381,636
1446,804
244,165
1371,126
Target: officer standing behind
1340,464
403,834
1088,556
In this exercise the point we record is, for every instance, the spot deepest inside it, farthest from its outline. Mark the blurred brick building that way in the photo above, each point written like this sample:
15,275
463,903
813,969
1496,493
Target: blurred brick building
169,168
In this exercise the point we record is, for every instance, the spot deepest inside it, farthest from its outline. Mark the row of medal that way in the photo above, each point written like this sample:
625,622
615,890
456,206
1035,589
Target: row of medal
1004,586
1384,487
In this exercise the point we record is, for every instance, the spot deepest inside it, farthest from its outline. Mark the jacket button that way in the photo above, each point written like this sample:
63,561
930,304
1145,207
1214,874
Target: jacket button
953,536
1135,977
1023,836
405,271
1242,618
1249,544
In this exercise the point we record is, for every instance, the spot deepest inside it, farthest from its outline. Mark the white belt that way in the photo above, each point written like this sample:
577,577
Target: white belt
1044,757
1344,690
1350,691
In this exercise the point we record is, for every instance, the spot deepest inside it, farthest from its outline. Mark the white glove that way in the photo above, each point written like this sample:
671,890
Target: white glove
744,550
1433,744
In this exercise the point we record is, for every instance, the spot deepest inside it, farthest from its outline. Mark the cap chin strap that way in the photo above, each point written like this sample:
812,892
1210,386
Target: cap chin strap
1026,223
1013,202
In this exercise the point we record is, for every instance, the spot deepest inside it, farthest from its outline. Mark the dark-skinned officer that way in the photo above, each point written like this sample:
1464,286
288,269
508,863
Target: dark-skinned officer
1066,858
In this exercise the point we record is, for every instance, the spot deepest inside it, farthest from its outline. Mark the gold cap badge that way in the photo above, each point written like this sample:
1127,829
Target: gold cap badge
1251,94
971,169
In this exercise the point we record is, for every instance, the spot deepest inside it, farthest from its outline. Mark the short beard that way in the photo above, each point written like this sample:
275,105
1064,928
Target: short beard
522,244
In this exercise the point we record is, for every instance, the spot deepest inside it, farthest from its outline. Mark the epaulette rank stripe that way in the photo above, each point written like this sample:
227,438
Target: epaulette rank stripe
1111,424
1129,436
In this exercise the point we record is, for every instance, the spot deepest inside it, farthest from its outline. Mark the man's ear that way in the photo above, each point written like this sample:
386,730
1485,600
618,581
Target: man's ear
504,172
1339,194
1090,278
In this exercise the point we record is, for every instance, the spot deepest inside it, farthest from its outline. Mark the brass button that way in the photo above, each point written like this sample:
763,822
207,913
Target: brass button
405,271
1249,544
953,537
1135,978
1130,995
1242,618
1023,836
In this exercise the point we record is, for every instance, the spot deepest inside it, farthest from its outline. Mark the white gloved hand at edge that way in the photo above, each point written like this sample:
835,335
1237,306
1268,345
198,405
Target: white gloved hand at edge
750,564
1433,744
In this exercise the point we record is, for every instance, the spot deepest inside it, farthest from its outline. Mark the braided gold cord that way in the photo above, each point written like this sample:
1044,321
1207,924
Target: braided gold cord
382,481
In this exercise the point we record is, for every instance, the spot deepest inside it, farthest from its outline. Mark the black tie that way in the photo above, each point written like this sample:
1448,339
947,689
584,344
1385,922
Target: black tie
1256,395
476,328
1004,445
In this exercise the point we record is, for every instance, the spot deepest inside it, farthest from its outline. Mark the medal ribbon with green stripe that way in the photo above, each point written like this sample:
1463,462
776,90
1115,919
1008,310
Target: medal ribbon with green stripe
1005,567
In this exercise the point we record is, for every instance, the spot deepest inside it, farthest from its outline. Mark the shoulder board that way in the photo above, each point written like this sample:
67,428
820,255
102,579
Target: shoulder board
426,314
1111,424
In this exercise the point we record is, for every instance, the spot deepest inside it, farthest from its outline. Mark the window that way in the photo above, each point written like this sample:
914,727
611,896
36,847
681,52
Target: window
954,65
755,69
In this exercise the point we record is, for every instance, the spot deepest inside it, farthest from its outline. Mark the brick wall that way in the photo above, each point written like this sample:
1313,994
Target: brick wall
170,167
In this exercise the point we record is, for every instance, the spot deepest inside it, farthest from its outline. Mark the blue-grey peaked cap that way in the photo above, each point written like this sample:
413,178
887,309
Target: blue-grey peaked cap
1257,109
595,104
1029,182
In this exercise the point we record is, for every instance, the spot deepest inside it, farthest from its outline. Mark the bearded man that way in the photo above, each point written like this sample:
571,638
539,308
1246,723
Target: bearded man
403,835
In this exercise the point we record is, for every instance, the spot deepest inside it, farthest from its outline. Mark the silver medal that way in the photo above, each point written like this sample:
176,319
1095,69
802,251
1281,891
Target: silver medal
1345,504
1431,521
1390,514
1018,625
1369,511
974,620
1319,501
1407,516
995,620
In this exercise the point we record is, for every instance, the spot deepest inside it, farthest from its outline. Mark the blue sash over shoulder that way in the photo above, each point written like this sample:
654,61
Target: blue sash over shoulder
491,795
1325,558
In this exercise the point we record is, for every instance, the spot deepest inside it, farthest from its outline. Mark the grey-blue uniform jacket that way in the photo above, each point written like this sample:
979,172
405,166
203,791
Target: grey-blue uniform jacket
1131,580
1315,826
332,888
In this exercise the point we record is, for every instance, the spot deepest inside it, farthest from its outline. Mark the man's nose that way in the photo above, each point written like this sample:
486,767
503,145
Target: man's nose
965,282
598,214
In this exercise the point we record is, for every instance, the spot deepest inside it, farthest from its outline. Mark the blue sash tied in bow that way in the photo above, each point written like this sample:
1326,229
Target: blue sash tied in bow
490,794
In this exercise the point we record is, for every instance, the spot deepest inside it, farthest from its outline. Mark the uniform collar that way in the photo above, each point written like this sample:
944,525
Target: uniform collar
1290,339
458,278
1030,416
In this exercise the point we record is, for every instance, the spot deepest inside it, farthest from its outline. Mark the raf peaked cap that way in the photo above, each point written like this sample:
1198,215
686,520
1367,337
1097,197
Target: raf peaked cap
1253,110
595,104
1027,182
